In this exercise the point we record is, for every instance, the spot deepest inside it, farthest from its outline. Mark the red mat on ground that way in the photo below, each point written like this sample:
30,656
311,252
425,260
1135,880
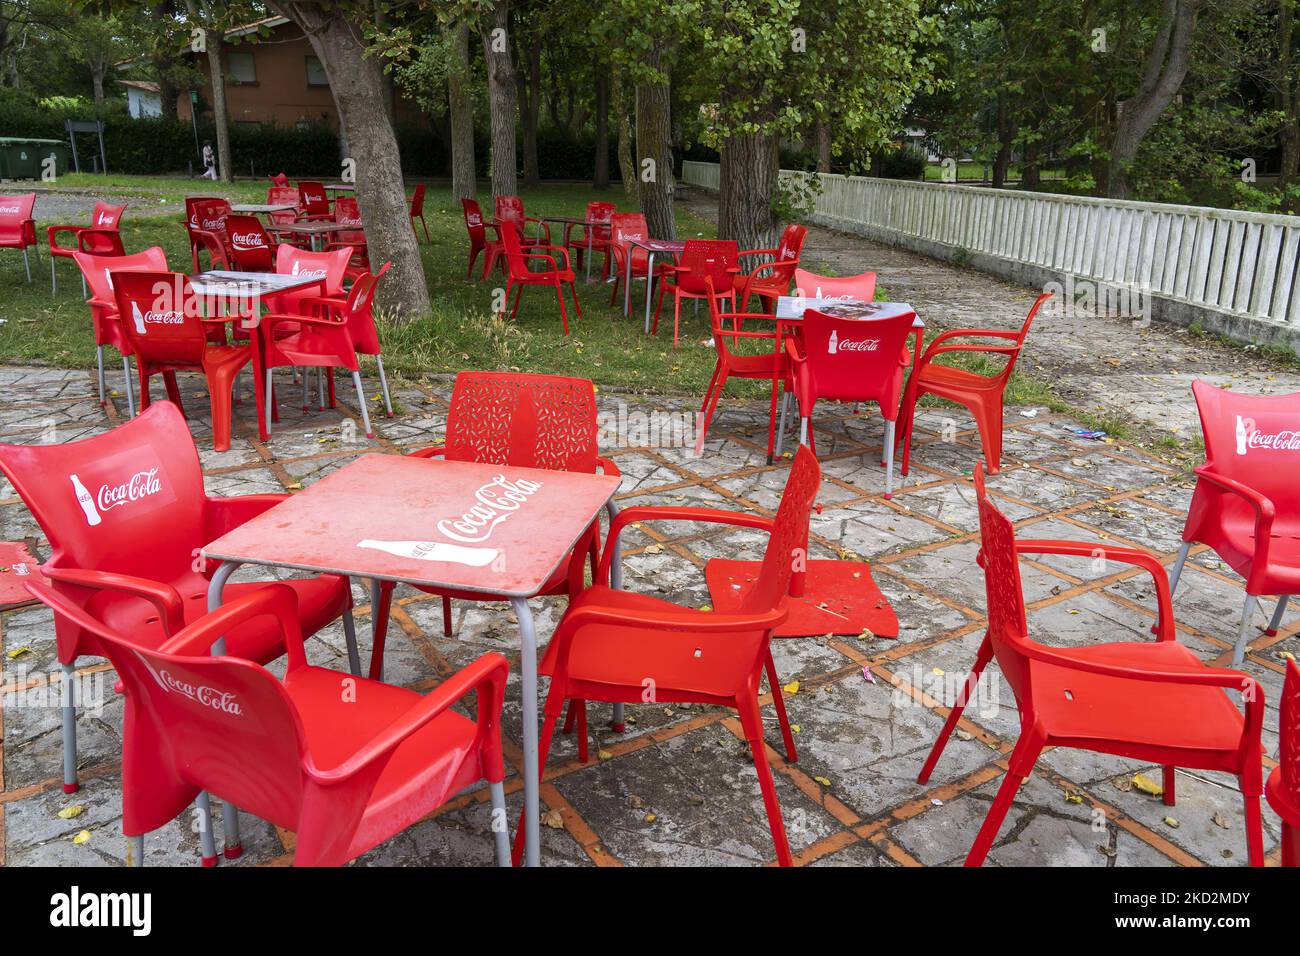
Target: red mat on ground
17,567
840,597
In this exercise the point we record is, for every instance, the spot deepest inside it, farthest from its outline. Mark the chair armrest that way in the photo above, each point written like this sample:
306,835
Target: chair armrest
267,321
102,304
607,467
757,252
487,676
222,515
793,350
682,619
276,600
52,231
662,513
559,249
1143,559
165,598
968,333
1265,512
433,451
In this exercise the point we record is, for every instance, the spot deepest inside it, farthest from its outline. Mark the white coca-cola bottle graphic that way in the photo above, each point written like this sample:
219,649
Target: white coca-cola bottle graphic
138,317
833,345
87,503
1243,435
434,551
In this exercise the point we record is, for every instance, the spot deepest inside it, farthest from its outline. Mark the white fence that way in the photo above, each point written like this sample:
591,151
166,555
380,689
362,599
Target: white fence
1240,265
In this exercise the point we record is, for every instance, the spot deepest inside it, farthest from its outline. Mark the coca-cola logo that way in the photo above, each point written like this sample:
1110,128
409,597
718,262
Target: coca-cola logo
8,210
309,273
201,694
858,345
494,503
247,240
140,485
1250,436
154,317
474,219
106,219
215,224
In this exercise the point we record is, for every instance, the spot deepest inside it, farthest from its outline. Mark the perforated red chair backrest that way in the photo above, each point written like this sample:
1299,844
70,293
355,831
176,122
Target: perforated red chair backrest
624,227
161,317
14,212
1008,628
312,198
708,259
600,212
1288,744
854,359
143,504
211,216
282,196
509,208
98,270
417,200
348,215
529,421
860,288
192,204
787,546
332,265
106,215
474,220
250,245
1253,439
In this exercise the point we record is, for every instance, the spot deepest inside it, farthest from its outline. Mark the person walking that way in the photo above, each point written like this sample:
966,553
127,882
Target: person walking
209,162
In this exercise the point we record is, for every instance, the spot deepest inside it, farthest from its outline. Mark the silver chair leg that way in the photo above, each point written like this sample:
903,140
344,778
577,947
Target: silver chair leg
383,384
54,279
361,398
780,429
28,266
500,829
1239,650
889,459
135,850
1276,622
99,364
1178,567
350,636
270,399
320,387
85,293
803,431
207,841
306,393
130,392
69,730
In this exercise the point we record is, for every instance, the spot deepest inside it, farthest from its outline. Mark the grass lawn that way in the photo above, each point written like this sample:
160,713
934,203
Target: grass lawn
461,332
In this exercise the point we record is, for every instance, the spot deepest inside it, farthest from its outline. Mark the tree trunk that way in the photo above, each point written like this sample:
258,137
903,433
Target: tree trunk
1166,66
97,71
654,168
600,175
201,16
626,167
461,110
357,83
1288,102
748,178
501,99
1006,134
824,146
530,90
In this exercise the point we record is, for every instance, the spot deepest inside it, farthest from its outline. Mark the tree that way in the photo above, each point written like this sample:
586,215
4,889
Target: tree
210,24
461,108
495,33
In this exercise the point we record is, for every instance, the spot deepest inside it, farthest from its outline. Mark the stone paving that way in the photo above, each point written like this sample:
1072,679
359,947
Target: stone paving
678,787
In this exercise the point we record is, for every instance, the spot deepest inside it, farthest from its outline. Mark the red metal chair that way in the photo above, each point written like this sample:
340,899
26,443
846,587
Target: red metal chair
511,209
251,247
518,275
858,288
207,230
1247,501
575,237
104,218
165,325
611,641
525,421
343,762
313,204
1152,702
772,279
1283,788
773,365
416,210
351,236
850,360
624,227
982,394
478,240
97,273
18,228
126,517
708,269
328,341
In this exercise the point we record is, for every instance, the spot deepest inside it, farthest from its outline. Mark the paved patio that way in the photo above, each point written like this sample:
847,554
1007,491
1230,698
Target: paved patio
678,787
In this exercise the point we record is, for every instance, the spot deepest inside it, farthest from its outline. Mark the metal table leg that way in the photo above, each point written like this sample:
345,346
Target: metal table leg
229,812
615,582
532,766
627,282
649,285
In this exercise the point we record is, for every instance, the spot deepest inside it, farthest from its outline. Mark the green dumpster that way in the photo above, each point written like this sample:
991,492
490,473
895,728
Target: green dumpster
24,158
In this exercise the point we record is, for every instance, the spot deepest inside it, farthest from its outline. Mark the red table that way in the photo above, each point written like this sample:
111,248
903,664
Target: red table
491,529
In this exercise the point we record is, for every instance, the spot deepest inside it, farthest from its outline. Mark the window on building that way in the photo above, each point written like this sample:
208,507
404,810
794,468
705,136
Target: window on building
316,73
239,67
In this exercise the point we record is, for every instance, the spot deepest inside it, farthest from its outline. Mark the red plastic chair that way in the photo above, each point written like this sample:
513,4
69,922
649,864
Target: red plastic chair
575,236
166,327
207,230
728,334
511,209
279,179
105,217
850,360
708,269
97,273
610,641
858,288
328,341
478,240
1151,702
772,279
525,421
518,275
416,210
251,248
1283,788
281,195
624,227
126,517
982,394
313,204
351,236
343,762
1247,500
18,228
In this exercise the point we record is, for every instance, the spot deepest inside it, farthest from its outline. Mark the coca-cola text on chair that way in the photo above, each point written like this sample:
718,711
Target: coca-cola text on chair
18,228
104,216
350,236
771,280
858,288
313,204
251,247
478,238
623,228
1246,505
1153,702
